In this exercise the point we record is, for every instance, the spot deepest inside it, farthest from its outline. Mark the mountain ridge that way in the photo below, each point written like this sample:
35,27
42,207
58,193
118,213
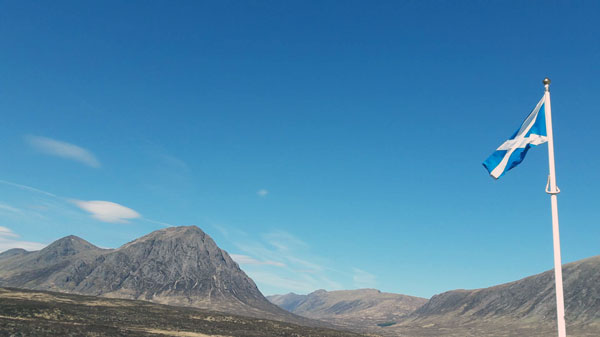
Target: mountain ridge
357,309
532,296
524,307
183,266
176,265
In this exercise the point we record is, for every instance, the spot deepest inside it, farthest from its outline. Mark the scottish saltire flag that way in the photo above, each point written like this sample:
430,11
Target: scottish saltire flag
512,152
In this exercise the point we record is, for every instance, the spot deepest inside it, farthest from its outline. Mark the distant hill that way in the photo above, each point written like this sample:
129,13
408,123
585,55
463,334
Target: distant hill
526,307
358,309
527,302
177,266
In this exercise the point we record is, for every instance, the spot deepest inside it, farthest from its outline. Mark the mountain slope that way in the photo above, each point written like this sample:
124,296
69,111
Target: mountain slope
530,298
51,267
526,307
289,301
177,265
358,309
521,308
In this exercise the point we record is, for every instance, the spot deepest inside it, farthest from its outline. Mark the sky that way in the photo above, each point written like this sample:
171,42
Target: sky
323,144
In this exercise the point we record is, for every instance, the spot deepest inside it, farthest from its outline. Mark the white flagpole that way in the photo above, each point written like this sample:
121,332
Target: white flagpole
553,191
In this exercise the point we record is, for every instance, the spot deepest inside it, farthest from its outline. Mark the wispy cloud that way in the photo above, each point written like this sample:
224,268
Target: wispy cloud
230,233
63,149
173,162
308,267
262,193
107,211
158,222
163,156
245,259
9,208
284,284
284,241
363,279
298,269
27,188
9,240
6,232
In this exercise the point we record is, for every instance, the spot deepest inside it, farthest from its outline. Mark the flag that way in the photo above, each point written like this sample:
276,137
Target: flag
512,152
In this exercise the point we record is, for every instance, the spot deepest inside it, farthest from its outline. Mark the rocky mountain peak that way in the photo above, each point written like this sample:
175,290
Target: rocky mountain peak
176,231
186,250
191,235
13,252
67,246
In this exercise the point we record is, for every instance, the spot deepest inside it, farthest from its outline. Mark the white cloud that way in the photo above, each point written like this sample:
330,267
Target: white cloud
107,211
9,240
262,193
102,210
63,149
363,279
245,259
4,232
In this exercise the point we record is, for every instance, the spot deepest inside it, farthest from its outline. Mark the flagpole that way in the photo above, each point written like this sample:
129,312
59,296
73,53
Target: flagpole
553,190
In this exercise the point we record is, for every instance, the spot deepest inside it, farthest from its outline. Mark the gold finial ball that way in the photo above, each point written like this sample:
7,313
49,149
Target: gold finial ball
546,81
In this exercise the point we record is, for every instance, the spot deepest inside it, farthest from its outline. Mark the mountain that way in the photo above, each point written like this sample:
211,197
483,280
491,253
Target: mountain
289,301
358,309
530,299
49,268
12,252
178,265
526,307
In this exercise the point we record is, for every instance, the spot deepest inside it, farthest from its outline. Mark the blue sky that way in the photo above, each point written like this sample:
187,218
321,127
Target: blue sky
327,144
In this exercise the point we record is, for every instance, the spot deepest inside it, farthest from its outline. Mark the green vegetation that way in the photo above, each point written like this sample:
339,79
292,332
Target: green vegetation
386,324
